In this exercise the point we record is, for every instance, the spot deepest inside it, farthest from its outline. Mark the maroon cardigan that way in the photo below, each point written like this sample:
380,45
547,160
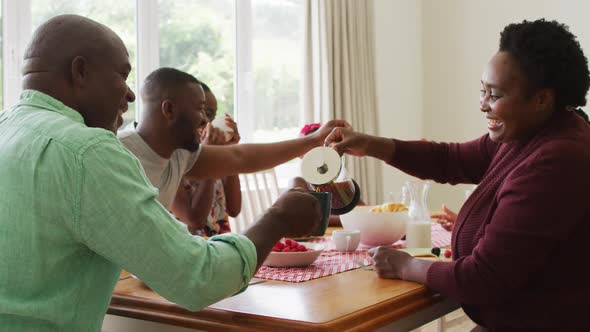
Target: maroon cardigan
521,244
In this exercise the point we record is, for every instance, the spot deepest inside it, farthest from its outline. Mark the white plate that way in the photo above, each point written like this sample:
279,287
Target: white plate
292,259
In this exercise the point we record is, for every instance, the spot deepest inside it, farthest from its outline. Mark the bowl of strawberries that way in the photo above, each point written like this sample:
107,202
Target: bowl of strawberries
290,253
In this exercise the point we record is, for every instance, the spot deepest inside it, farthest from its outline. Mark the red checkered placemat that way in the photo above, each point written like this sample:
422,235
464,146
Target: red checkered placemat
440,236
332,262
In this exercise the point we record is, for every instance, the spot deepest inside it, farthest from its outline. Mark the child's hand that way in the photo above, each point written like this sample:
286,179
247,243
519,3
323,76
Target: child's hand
212,136
446,218
235,135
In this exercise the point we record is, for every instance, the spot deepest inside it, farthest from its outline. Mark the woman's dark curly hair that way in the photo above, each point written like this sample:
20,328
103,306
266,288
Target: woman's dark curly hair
550,57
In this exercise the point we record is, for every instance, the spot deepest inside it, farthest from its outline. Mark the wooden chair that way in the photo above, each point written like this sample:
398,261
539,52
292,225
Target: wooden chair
456,321
259,191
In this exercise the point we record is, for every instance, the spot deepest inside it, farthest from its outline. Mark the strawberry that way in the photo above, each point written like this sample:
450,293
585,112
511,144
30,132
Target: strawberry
448,253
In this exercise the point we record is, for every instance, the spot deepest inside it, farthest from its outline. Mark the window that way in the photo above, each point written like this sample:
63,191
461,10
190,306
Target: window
198,37
255,43
277,66
1,62
248,51
277,63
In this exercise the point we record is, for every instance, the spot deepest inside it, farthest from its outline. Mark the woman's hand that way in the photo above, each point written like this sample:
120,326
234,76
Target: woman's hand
390,263
345,140
395,264
446,218
320,135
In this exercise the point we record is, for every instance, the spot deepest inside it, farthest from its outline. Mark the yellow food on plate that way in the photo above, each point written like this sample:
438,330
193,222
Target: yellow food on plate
423,253
389,207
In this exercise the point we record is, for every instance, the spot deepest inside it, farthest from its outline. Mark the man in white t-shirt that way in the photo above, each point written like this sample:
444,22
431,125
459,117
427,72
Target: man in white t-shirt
166,139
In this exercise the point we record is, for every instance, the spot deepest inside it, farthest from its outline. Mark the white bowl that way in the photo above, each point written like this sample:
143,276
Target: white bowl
377,228
292,259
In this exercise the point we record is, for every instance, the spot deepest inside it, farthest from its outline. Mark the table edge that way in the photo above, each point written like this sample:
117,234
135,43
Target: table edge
212,319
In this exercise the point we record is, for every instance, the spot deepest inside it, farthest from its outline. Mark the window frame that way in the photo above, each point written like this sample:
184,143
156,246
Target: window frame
243,69
17,31
148,44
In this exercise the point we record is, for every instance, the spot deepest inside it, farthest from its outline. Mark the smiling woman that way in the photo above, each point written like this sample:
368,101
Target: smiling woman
511,111
521,92
536,148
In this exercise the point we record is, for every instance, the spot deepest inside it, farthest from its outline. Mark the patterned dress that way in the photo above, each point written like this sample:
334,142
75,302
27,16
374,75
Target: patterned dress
218,219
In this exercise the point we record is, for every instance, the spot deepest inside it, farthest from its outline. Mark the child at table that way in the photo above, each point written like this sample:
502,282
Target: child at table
222,198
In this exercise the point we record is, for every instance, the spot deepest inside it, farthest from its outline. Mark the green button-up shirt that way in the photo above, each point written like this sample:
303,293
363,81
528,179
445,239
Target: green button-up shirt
75,207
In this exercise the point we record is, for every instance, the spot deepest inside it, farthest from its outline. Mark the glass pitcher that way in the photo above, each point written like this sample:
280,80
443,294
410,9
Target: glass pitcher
323,169
418,229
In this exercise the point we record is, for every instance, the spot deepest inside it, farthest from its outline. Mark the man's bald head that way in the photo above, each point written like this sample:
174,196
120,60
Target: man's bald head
83,64
56,42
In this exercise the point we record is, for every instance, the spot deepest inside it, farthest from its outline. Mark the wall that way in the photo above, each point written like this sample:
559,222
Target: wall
429,58
458,39
398,60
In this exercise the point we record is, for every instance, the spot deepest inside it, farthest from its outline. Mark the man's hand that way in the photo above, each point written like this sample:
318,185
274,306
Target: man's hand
299,211
320,135
295,214
246,158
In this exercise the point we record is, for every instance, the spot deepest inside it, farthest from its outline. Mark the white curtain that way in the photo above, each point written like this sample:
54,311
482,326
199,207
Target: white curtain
339,77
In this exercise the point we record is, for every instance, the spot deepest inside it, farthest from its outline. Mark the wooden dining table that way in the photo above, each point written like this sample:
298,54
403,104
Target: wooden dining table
355,300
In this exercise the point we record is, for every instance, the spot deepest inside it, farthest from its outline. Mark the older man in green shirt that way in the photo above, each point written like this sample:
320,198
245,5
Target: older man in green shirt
76,206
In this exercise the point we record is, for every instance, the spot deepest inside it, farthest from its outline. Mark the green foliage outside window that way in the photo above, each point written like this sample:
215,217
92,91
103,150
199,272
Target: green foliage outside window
198,36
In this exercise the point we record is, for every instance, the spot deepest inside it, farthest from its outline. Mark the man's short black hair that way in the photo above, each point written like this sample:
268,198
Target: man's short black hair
164,81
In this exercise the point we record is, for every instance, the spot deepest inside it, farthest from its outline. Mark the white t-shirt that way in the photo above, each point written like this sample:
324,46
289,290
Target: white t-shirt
164,174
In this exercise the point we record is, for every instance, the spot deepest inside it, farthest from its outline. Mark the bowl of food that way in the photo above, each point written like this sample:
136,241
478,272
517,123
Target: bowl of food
290,253
380,225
